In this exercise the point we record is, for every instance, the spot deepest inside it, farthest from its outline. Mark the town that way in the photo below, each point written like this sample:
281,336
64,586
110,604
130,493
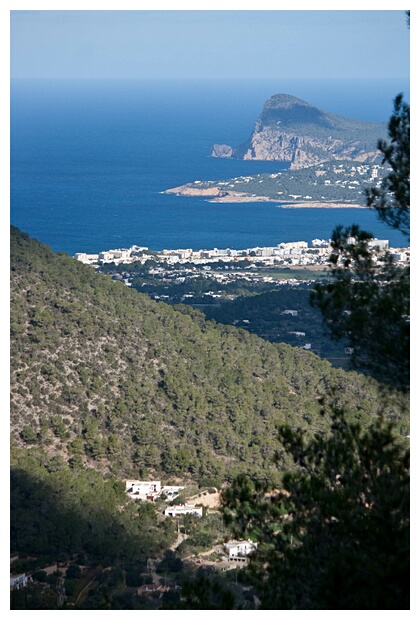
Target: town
264,290
290,253
208,276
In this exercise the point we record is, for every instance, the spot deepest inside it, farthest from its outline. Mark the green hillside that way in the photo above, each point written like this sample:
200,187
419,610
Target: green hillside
109,379
107,384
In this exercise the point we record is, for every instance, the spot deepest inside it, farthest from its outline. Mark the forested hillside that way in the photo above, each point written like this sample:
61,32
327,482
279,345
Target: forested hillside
107,378
107,384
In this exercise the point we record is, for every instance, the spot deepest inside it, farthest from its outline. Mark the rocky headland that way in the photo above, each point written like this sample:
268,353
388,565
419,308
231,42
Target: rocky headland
292,131
331,159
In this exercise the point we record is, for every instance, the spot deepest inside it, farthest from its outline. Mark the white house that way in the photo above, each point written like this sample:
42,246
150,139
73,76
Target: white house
19,581
238,548
143,487
291,312
184,509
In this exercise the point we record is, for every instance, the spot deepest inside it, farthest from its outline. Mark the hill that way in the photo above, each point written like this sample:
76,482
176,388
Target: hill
293,131
106,385
106,378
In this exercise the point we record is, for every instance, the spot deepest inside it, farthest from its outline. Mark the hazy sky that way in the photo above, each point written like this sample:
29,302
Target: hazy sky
208,43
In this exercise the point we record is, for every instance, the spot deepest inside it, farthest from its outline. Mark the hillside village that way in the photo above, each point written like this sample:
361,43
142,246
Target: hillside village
223,554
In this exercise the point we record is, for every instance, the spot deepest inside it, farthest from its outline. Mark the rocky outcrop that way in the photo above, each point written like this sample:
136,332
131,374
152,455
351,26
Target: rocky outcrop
190,190
215,194
293,131
222,150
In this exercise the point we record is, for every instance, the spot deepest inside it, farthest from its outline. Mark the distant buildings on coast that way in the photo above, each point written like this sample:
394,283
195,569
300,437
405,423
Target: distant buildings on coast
293,253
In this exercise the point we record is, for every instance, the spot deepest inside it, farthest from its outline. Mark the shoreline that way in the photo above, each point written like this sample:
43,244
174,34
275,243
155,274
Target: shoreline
217,195
307,204
323,205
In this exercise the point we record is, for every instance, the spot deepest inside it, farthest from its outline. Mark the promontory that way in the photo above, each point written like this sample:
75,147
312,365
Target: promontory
293,131
325,160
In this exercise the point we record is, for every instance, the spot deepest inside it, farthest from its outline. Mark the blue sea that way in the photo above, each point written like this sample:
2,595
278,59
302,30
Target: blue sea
90,160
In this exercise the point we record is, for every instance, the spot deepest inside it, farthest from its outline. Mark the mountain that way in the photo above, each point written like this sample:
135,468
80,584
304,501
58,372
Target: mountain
293,131
104,378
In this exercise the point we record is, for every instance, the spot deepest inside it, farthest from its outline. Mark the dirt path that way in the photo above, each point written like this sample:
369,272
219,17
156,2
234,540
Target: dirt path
211,500
178,541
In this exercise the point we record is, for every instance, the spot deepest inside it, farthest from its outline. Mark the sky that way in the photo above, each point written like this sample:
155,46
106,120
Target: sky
232,43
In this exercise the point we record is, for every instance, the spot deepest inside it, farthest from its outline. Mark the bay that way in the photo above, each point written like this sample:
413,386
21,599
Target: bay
90,160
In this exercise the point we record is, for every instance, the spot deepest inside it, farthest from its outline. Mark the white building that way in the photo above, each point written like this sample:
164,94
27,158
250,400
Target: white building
293,245
400,257
184,509
238,548
111,256
320,243
143,487
86,258
382,244
19,581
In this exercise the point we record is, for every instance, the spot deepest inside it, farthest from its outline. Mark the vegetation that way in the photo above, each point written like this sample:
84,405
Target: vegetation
302,118
60,512
287,121
367,294
335,533
391,200
262,315
336,536
107,384
109,379
339,181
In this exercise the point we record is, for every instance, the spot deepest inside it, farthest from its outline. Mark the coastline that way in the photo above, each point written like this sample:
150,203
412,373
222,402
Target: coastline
218,195
322,205
305,204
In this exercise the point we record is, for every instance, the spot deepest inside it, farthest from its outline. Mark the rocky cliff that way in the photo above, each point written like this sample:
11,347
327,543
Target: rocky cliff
293,131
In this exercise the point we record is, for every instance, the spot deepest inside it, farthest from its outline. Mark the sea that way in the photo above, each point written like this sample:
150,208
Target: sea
90,161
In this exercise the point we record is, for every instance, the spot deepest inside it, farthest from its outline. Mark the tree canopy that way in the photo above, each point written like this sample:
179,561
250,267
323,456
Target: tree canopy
368,303
335,533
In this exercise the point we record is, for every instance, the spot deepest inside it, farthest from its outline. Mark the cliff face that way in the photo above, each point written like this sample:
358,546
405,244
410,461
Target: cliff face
293,131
